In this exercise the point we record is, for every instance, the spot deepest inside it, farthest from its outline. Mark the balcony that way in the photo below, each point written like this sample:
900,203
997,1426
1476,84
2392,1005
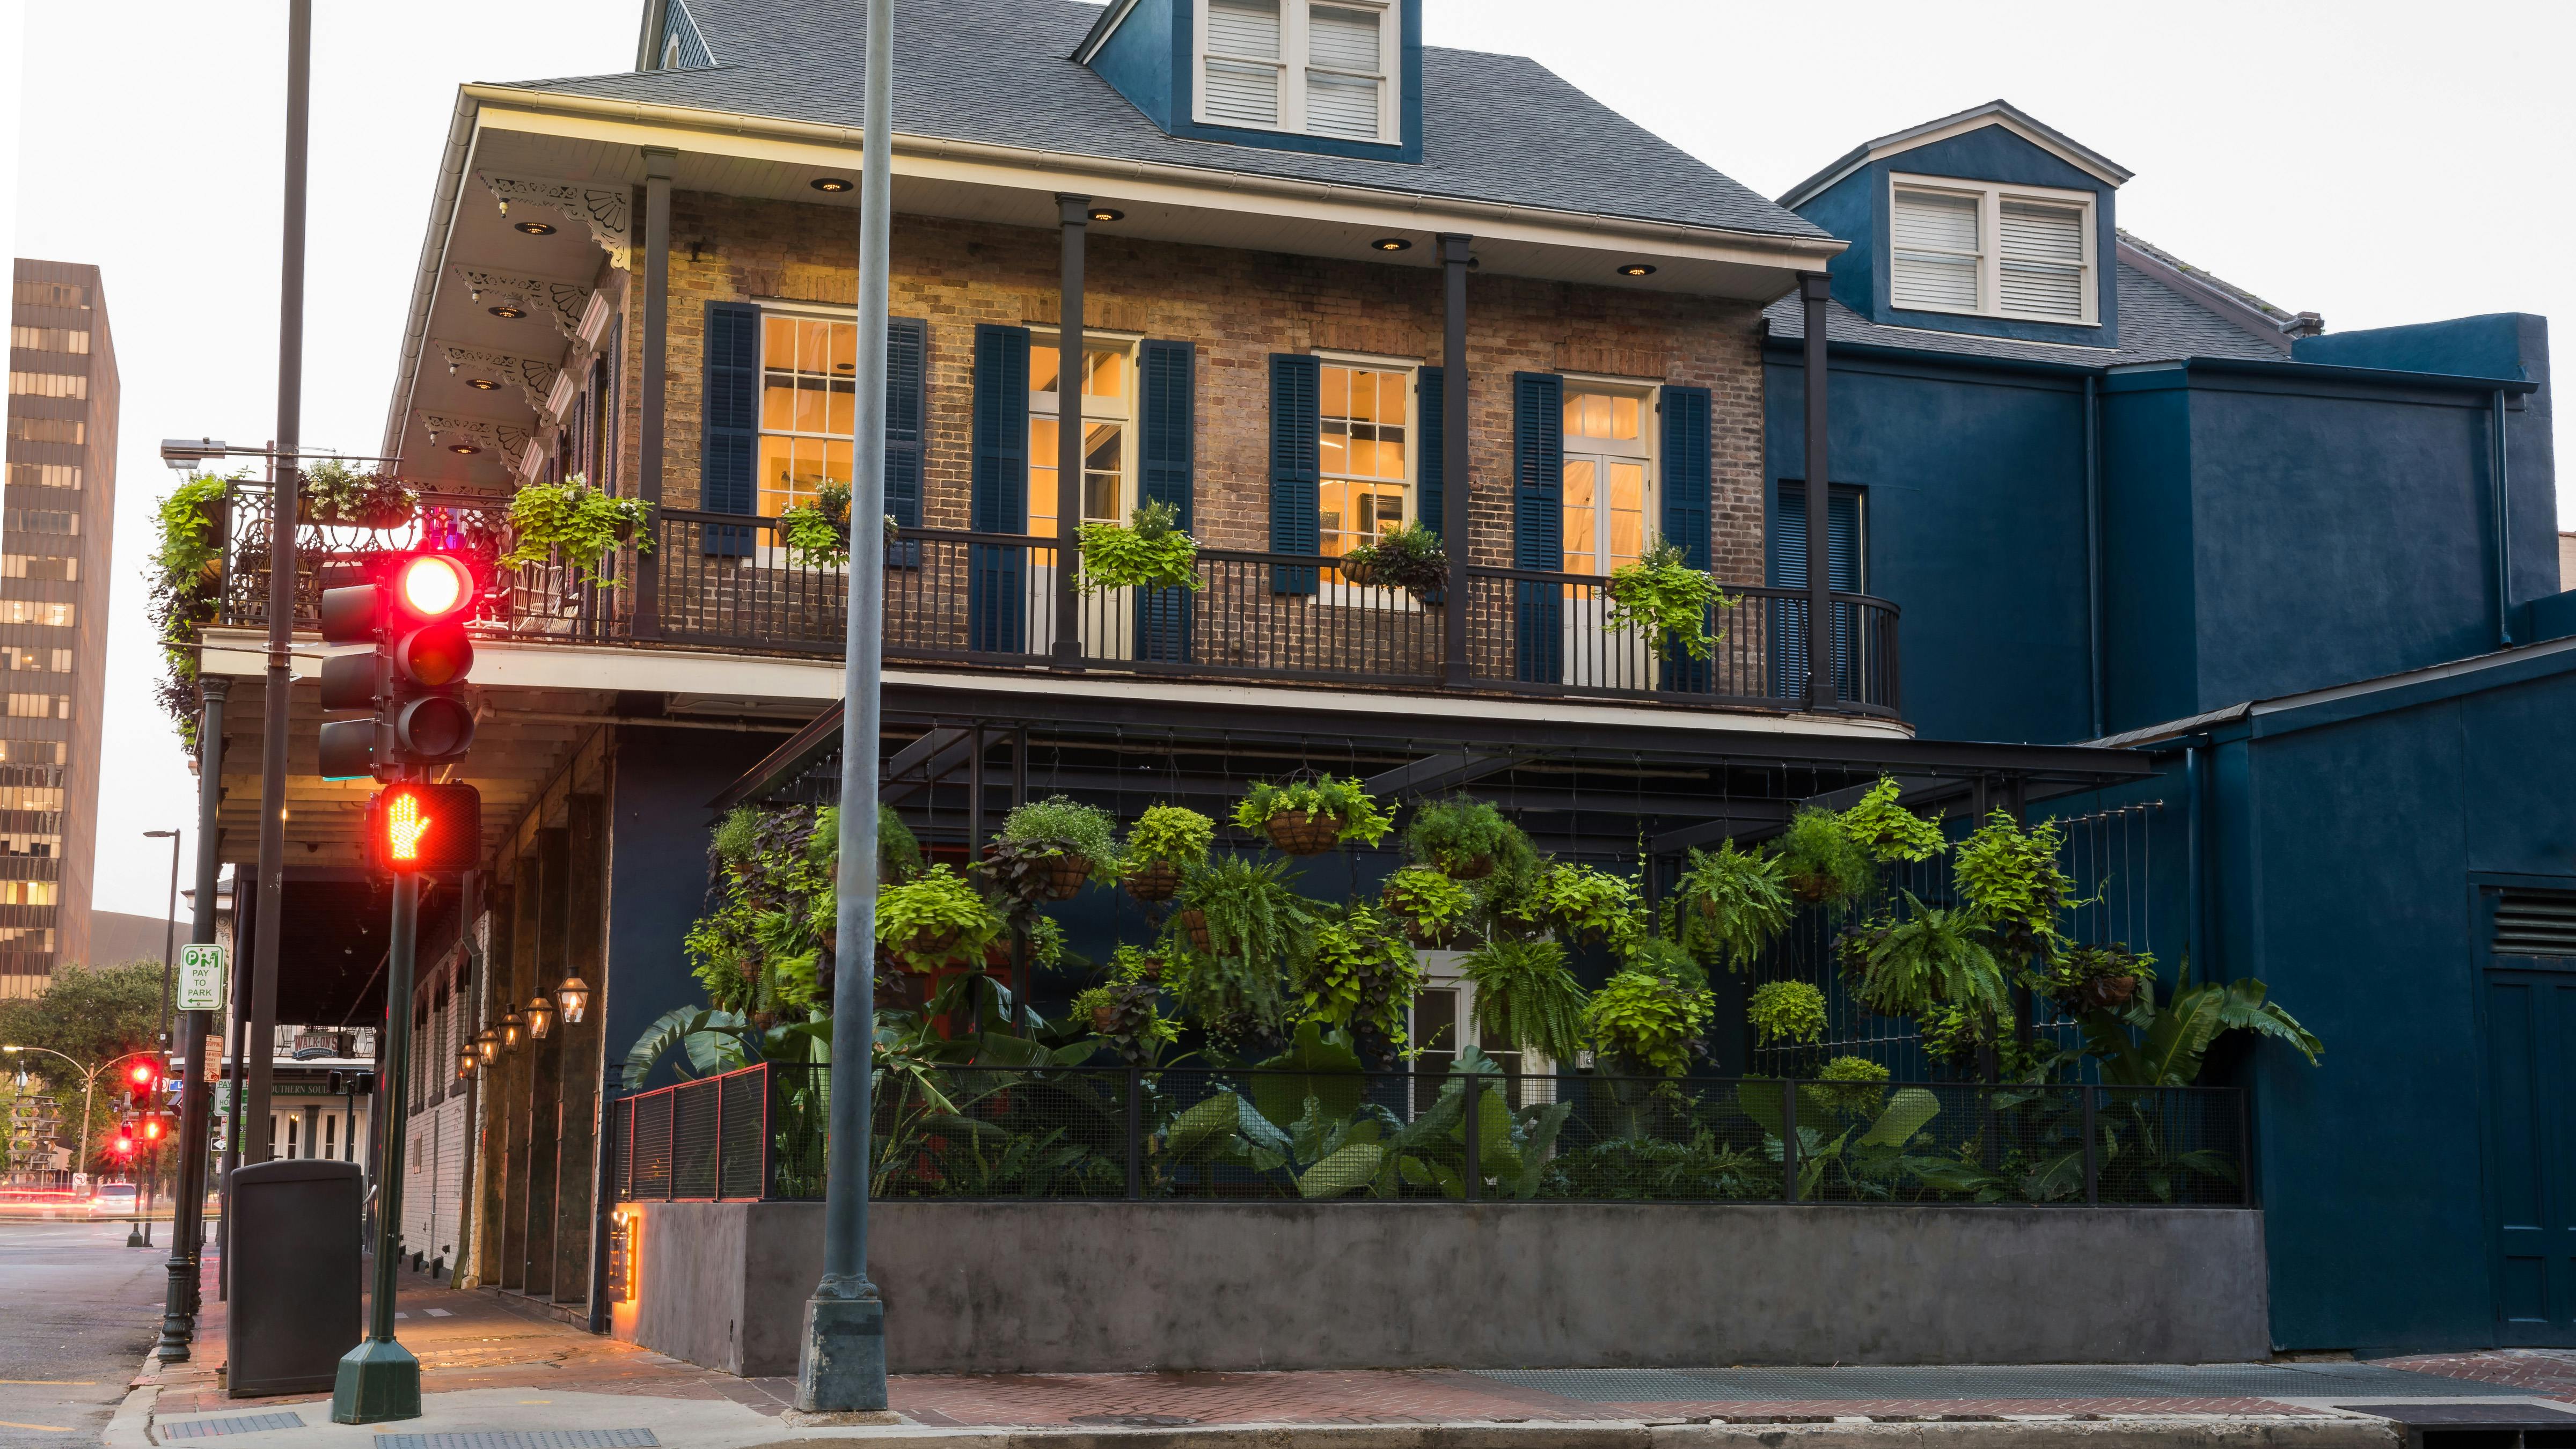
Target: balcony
727,583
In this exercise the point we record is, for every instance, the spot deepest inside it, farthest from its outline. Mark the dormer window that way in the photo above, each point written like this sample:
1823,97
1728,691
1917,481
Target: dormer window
1304,66
2024,253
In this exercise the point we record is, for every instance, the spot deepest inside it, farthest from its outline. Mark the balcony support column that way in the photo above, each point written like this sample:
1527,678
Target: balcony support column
1456,520
1813,290
658,165
1075,213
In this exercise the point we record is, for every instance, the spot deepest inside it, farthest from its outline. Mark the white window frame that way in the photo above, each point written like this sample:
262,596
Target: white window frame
1295,59
1334,588
1130,346
1647,449
1990,258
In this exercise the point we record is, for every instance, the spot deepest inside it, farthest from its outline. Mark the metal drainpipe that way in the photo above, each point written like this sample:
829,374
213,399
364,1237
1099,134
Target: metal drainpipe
2196,862
2093,601
2499,466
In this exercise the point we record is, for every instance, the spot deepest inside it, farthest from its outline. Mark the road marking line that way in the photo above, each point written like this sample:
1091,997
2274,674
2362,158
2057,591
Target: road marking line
56,1383
48,1428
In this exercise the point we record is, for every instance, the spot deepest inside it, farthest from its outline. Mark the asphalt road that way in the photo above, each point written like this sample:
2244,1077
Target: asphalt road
78,1309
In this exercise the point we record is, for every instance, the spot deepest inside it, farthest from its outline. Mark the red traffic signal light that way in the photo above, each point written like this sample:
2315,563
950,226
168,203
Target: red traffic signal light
123,1143
152,1128
426,827
414,613
141,1075
433,586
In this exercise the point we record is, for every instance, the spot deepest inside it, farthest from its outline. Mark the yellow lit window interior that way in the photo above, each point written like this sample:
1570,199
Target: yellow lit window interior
806,411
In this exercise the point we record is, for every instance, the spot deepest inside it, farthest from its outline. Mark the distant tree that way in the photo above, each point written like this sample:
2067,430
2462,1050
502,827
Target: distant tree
90,1014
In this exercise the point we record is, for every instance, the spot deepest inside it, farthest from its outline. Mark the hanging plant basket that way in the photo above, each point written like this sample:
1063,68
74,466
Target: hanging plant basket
1103,1018
1812,889
1064,876
1474,867
1299,833
1152,968
925,946
1195,926
1154,883
2107,993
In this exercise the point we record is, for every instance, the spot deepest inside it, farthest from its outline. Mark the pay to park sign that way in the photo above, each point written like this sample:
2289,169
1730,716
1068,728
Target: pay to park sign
201,978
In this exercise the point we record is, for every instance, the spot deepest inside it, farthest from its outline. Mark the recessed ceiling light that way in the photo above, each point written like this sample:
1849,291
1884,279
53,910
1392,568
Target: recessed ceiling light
1392,244
466,450
1107,213
1636,269
535,228
834,184
512,312
482,384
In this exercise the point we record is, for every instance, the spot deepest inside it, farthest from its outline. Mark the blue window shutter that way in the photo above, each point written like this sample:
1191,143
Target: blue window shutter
1167,458
997,597
730,458
1431,444
1296,465
1538,524
907,430
1789,571
1686,509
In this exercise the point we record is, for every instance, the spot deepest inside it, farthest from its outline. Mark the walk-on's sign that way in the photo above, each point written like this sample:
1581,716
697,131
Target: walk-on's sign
201,978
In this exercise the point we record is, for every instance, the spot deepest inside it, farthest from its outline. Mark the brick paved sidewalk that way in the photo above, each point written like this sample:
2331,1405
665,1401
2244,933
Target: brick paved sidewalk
484,1341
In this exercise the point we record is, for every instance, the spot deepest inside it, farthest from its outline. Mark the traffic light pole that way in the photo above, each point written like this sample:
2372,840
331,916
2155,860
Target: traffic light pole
196,1091
379,1379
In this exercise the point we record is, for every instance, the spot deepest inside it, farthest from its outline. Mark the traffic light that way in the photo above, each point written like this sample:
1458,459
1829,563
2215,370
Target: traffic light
416,827
122,1144
141,1080
153,1129
413,680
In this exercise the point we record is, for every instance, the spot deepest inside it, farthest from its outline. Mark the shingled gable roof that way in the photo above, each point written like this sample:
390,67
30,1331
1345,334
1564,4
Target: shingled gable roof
1993,113
1497,129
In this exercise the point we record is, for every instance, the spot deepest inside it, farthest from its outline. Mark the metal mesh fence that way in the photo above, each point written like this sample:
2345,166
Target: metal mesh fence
1212,1135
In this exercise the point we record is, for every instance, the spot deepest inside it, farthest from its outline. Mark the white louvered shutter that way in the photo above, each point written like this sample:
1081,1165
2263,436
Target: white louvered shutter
1240,77
1936,251
1344,85
2043,260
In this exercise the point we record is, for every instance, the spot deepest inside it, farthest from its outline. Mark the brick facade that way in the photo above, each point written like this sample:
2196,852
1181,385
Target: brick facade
1238,307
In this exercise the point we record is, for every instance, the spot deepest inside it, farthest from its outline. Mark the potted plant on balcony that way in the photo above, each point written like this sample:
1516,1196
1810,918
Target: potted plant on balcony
1526,997
334,492
1407,556
1820,861
1069,842
1464,838
1786,1013
1165,841
1149,551
1432,908
187,590
1731,904
1646,1025
935,919
1663,597
817,534
568,524
1310,816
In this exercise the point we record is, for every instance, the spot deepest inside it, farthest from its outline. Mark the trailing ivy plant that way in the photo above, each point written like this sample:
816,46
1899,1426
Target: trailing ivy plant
1358,814
1432,907
187,584
1791,1012
1059,826
935,920
1169,835
1465,838
1665,598
1408,557
1258,929
568,521
1822,864
1889,831
1660,956
1362,975
1527,998
1149,551
1932,957
1579,902
1732,904
818,533
2009,878
1648,1025
762,945
334,492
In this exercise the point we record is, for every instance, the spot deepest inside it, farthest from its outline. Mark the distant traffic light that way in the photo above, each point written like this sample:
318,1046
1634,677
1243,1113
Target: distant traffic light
413,680
141,1081
153,1129
122,1144
413,827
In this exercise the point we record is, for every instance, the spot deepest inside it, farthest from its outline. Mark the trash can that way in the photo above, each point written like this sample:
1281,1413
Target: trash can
295,1276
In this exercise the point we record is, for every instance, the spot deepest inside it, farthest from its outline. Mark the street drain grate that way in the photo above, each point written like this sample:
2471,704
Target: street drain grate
1133,1421
238,1424
537,1440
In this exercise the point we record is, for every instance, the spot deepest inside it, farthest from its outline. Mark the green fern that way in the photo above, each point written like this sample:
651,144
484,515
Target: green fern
1526,997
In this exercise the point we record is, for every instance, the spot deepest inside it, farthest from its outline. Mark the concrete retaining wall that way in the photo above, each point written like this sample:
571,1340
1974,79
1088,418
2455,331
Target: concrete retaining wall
1098,1287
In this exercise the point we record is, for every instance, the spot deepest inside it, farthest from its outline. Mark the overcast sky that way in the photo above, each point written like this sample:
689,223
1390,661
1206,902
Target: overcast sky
2378,163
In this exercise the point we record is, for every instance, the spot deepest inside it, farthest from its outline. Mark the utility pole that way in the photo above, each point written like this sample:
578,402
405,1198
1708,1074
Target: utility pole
842,1367
196,1087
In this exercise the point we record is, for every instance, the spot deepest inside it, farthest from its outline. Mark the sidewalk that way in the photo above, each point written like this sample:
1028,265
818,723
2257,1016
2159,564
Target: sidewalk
495,1369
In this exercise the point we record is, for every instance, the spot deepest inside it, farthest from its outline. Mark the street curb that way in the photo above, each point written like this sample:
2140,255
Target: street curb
2142,1432
130,1427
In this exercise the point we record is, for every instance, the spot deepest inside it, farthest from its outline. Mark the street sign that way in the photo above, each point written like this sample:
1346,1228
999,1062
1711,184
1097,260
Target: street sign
201,978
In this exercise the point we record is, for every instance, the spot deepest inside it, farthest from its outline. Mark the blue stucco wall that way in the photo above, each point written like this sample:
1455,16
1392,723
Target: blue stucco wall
1137,60
1974,527
1150,60
1856,209
2149,606
657,867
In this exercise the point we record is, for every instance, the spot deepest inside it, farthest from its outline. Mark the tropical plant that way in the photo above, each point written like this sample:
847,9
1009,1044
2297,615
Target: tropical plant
898,852
187,582
1889,831
1786,1012
1362,975
2009,879
761,947
569,523
334,492
1351,810
1662,956
1149,551
1433,908
1871,1155
2172,1040
1170,835
1647,1023
1579,902
1857,1085
1820,861
1256,928
1732,904
1062,828
1929,958
711,1041
1408,557
1662,596
1464,838
1125,1014
2095,978
1526,998
934,920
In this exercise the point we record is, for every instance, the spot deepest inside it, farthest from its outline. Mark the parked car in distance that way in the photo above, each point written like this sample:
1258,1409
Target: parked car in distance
114,1200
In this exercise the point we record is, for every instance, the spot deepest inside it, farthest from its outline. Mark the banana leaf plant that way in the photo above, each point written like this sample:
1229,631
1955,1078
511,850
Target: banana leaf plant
1871,1154
2173,1039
